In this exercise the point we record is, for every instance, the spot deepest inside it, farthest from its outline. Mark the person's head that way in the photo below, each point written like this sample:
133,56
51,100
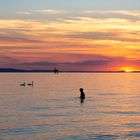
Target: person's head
81,89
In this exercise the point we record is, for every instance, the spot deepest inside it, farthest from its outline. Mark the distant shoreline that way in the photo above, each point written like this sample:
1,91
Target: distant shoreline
10,70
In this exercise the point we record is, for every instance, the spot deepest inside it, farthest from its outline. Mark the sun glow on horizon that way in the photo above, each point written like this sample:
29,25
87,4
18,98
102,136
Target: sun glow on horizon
128,69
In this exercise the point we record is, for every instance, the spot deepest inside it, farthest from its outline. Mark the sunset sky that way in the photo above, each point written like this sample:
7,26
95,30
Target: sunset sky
70,34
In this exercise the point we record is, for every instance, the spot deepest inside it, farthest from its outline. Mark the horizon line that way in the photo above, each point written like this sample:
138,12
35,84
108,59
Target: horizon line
14,70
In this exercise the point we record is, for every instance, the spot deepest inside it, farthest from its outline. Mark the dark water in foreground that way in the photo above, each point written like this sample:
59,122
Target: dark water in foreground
51,110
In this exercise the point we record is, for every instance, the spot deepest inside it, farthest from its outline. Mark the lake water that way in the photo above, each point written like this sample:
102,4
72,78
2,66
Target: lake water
51,109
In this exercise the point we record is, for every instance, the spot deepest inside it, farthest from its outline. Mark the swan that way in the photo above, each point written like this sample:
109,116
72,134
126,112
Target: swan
30,84
22,84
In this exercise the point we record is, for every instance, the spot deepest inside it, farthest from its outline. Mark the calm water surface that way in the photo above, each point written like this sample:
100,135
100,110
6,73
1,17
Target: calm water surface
51,110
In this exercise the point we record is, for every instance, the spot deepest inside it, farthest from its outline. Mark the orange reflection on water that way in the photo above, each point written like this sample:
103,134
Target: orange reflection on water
52,109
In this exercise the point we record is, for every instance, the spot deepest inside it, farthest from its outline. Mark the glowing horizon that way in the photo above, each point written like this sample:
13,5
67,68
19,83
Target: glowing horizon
84,37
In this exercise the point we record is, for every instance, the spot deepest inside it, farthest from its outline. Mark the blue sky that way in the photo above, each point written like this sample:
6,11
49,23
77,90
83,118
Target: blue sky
10,8
68,4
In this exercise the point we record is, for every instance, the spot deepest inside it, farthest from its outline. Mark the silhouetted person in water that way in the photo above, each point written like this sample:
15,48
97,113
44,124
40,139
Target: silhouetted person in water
82,95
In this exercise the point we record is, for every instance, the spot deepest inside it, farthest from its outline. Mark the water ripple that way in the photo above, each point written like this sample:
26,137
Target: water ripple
16,131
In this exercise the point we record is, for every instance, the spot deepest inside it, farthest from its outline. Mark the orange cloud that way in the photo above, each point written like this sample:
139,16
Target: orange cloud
64,40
